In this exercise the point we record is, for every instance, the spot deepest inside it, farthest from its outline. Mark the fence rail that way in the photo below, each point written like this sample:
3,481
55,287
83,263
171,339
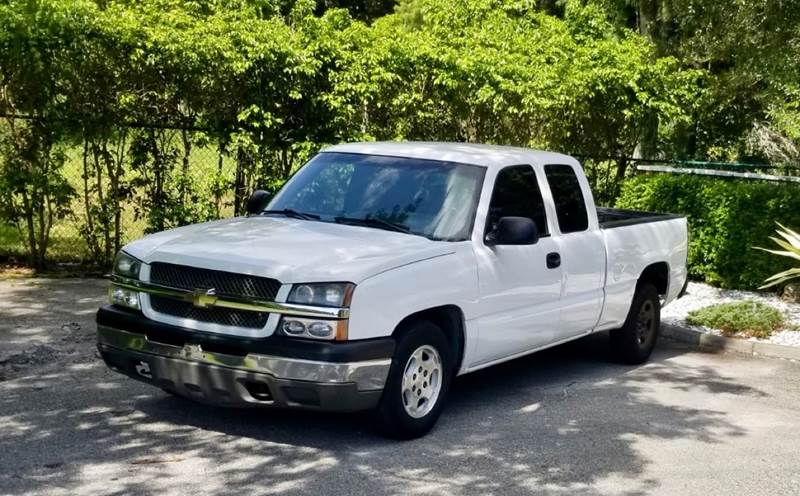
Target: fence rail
776,169
718,173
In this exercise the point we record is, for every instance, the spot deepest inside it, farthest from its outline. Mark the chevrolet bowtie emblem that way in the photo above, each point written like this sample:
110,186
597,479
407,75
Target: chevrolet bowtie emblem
192,351
204,297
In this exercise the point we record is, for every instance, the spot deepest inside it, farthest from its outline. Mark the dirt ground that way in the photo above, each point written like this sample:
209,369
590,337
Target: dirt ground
46,324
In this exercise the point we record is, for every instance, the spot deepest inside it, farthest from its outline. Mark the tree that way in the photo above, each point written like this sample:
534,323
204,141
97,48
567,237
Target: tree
749,50
489,71
33,190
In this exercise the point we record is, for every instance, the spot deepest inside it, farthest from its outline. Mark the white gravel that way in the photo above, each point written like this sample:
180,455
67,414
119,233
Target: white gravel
702,295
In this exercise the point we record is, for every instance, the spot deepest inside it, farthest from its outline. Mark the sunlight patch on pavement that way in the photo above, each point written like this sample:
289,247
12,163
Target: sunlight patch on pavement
533,407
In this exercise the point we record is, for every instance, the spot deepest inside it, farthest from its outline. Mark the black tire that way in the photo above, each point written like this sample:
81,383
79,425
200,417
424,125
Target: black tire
634,341
392,416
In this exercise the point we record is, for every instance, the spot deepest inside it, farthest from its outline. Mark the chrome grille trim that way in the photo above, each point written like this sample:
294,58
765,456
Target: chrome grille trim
235,303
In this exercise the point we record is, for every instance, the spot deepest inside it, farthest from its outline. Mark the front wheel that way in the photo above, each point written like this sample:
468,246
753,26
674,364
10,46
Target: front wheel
418,382
634,341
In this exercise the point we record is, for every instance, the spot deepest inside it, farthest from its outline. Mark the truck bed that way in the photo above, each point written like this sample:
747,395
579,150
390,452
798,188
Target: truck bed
610,218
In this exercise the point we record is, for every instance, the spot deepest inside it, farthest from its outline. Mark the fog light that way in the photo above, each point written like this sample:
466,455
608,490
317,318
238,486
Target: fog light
124,297
314,329
321,330
294,327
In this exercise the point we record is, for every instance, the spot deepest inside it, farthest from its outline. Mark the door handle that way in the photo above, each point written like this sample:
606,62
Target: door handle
553,260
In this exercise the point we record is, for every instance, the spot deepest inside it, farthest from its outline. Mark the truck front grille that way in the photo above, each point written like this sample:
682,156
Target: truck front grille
213,315
194,279
223,283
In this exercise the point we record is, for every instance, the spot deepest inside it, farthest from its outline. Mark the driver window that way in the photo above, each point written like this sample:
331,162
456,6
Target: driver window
516,193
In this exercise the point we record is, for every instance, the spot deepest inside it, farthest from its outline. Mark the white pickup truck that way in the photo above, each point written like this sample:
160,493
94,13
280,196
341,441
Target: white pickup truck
379,272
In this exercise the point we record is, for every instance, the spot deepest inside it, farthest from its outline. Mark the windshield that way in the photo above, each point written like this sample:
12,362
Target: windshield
425,197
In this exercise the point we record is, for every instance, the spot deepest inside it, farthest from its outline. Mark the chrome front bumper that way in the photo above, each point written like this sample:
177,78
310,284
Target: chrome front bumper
249,380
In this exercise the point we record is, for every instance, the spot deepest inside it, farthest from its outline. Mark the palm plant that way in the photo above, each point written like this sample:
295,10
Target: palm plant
791,244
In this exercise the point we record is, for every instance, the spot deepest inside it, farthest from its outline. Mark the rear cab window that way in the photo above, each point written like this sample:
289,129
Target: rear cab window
567,197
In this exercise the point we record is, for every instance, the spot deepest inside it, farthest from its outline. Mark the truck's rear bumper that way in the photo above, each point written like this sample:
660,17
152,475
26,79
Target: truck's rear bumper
249,379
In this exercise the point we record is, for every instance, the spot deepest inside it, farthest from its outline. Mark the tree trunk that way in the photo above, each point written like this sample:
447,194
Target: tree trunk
239,184
622,168
27,210
49,226
648,143
99,158
159,191
187,150
648,12
116,179
41,233
90,235
217,192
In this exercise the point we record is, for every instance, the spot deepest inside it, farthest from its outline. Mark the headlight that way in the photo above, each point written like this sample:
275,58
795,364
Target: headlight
314,328
123,296
126,266
334,294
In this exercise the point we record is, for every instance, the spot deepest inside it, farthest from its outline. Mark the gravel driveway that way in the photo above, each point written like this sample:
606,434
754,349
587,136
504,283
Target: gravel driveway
562,422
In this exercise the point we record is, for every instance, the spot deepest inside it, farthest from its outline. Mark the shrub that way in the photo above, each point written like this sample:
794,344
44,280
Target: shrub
747,318
726,219
791,248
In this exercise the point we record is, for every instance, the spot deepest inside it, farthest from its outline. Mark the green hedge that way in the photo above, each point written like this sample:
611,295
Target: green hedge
726,219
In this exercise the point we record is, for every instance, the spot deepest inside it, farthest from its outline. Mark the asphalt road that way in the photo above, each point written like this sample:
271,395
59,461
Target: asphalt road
566,421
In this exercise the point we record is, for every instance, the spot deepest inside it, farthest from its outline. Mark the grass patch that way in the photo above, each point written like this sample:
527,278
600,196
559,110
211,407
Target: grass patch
65,245
747,318
10,241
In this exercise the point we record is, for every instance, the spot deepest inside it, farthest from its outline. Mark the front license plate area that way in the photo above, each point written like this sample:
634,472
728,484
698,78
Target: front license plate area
142,369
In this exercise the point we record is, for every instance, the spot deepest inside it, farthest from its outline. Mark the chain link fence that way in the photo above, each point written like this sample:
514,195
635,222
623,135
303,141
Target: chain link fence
142,180
128,186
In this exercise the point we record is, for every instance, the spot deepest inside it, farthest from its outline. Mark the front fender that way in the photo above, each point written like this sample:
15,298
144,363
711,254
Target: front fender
382,301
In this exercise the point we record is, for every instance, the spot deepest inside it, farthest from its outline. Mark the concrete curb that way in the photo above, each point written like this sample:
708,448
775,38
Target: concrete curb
710,342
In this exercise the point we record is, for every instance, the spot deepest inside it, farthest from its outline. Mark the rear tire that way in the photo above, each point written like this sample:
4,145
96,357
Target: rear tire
634,341
418,382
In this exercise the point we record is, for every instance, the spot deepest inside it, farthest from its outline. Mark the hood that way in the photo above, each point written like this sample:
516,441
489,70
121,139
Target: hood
290,250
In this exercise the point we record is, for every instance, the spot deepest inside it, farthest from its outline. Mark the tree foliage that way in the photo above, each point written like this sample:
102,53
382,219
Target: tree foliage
749,50
140,85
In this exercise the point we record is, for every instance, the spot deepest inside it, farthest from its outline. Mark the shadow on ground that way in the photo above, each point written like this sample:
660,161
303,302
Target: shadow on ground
564,421
46,323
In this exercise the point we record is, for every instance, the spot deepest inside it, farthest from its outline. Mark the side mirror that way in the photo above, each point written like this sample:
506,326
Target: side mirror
513,231
257,201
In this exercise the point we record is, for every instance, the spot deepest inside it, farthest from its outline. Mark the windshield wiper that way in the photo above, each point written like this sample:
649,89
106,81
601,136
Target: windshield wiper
288,212
373,222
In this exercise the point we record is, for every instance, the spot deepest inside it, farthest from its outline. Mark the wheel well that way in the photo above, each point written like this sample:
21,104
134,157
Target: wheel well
450,319
658,275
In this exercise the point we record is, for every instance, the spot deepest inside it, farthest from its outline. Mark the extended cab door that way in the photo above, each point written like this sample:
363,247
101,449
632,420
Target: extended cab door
580,247
519,292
